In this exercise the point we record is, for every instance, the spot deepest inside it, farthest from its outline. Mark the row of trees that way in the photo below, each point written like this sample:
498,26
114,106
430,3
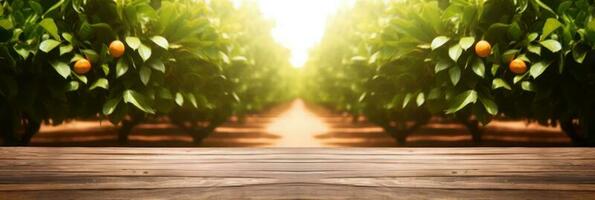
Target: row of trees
192,63
403,63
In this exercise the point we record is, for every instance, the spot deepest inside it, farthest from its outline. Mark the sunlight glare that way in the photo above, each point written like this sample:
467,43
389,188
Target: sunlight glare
300,24
298,127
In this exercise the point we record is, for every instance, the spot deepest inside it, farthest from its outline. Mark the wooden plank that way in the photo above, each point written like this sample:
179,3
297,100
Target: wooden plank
294,173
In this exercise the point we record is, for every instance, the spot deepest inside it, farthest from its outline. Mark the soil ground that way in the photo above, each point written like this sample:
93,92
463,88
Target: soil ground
296,124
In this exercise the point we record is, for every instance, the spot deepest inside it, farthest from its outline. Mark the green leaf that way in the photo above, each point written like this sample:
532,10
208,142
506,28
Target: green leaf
441,66
54,7
48,45
157,65
110,105
479,67
82,78
133,42
455,75
161,41
50,26
145,52
461,101
179,99
72,86
235,97
544,6
22,51
103,30
524,57
528,86
551,24
439,41
421,99
145,74
64,49
519,78
85,31
192,99
164,93
579,54
226,60
434,94
515,31
500,83
552,45
538,68
6,23
509,55
407,99
590,32
100,83
105,69
67,37
495,68
534,49
138,100
532,37
421,46
76,57
62,68
455,52
36,7
91,54
489,105
121,68
466,42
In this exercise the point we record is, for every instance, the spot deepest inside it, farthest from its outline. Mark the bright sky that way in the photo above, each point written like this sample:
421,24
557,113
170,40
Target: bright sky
300,24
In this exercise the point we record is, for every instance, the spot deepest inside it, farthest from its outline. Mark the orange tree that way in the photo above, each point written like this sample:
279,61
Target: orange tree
128,61
475,60
335,73
262,72
255,71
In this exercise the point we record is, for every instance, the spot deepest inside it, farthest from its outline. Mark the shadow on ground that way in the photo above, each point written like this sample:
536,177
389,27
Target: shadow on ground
344,133
339,132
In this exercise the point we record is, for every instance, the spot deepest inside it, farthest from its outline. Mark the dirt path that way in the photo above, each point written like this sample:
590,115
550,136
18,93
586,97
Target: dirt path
298,125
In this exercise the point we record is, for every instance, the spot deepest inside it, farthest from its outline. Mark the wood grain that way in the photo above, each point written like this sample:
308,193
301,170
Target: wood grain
294,173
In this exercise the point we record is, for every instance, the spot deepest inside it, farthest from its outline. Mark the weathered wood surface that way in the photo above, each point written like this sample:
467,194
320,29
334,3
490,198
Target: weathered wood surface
292,173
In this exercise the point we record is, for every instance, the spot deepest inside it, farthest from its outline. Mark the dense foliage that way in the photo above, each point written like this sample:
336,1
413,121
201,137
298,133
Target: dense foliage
466,60
179,58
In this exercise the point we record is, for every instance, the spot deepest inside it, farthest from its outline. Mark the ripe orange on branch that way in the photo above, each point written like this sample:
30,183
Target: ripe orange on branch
82,66
483,49
518,66
117,49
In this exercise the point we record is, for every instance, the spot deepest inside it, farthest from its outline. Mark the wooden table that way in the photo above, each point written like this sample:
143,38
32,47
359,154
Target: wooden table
293,173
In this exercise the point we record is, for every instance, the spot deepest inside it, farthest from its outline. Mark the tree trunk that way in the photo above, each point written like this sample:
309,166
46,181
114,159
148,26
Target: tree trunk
474,129
198,135
12,136
31,128
581,133
126,129
401,131
355,119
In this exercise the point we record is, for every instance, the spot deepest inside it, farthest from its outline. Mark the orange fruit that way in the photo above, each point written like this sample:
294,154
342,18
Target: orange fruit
82,66
117,49
518,66
483,49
